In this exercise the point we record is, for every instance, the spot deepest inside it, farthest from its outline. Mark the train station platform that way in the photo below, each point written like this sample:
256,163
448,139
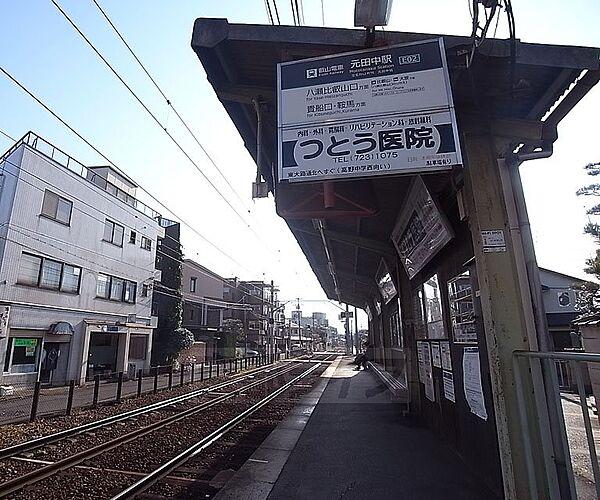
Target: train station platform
347,439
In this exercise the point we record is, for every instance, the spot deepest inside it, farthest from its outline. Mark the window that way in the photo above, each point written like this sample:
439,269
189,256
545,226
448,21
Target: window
113,233
21,355
70,279
132,237
57,208
50,277
137,346
103,286
193,285
146,243
29,270
129,293
191,313
144,290
48,273
117,289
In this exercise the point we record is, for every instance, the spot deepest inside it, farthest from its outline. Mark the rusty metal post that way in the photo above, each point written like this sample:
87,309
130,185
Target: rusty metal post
35,401
70,397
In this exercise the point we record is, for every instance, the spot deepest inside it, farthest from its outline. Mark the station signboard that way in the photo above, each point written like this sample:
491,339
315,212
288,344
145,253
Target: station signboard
372,112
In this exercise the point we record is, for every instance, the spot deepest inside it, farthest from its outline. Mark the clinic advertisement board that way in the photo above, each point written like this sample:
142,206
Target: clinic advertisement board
371,112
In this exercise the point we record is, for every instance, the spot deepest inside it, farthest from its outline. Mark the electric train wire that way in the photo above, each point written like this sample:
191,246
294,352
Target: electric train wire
95,149
168,101
151,114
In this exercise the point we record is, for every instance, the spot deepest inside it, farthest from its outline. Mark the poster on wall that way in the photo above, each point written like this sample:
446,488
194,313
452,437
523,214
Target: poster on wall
435,354
448,386
380,111
4,315
428,373
385,283
445,355
421,230
433,309
462,311
472,382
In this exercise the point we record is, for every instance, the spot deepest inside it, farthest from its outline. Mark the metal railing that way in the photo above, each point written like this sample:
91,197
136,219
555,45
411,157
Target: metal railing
57,155
566,466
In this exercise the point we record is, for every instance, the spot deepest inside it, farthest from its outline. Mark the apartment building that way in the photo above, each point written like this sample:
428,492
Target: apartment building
77,263
203,305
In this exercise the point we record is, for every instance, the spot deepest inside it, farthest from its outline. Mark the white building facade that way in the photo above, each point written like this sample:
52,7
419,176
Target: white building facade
77,263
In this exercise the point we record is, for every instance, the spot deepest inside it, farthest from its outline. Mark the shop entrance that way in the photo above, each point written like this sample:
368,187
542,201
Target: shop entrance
103,354
49,361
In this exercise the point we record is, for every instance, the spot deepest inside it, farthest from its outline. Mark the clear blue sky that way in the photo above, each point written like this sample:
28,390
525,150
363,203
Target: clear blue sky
40,48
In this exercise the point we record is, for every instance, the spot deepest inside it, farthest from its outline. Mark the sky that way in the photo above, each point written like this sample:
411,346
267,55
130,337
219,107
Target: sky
40,48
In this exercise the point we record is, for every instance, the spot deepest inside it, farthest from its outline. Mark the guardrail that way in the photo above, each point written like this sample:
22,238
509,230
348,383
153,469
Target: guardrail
566,466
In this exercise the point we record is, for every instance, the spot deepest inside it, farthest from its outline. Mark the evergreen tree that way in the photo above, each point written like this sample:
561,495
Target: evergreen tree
589,296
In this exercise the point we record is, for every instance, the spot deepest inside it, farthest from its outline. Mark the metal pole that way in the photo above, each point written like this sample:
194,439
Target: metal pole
119,386
34,402
181,375
140,379
347,328
171,377
155,388
70,397
96,391
192,374
356,338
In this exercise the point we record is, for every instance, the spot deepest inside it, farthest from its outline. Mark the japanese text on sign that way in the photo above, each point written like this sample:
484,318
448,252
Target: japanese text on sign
373,112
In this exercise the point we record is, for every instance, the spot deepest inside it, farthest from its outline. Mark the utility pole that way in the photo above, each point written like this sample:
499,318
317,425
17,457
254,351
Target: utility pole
272,322
356,338
348,335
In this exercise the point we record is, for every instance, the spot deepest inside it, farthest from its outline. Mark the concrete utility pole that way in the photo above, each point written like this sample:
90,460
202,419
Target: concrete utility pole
348,335
272,322
506,309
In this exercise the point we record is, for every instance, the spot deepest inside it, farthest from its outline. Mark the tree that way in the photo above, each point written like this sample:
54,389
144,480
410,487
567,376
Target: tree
233,332
589,292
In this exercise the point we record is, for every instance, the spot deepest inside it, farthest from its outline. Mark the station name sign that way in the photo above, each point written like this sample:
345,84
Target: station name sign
372,112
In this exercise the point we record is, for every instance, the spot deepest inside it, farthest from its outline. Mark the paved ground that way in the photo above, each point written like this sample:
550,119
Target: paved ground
578,445
320,452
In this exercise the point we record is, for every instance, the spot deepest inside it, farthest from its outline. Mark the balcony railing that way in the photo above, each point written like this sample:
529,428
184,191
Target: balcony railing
58,156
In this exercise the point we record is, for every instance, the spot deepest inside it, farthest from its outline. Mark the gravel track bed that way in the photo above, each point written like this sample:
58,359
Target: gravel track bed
11,434
148,452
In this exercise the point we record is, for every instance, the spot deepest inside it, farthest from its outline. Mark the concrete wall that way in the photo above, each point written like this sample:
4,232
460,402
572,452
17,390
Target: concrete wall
80,243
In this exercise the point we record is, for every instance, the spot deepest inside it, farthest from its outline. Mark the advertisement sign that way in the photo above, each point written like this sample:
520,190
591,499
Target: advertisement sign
370,112
4,315
385,283
421,230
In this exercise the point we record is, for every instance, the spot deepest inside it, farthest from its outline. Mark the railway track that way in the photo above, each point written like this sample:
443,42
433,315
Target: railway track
144,423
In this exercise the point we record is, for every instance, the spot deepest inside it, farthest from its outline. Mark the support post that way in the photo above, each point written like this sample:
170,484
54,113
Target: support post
170,377
35,401
504,308
70,397
96,391
119,387
192,374
155,388
181,375
139,382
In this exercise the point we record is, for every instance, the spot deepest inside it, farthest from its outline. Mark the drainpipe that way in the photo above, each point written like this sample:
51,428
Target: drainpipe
256,104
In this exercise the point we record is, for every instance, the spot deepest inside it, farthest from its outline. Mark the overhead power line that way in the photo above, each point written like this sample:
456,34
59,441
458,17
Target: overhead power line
168,101
94,148
152,115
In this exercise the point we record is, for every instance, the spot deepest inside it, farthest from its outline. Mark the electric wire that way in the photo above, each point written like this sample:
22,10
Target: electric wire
269,13
294,12
95,149
168,101
276,11
152,115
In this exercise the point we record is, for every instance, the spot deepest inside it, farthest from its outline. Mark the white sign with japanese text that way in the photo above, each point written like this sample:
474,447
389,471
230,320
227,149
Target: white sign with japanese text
371,112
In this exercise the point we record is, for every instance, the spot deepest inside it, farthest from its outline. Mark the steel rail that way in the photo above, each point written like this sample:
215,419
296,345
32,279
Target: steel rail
168,467
37,475
32,444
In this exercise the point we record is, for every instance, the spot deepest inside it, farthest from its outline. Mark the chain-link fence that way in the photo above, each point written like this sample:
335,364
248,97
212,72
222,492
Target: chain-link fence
24,401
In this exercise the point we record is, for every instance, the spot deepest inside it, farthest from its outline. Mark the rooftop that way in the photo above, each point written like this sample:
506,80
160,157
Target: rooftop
91,174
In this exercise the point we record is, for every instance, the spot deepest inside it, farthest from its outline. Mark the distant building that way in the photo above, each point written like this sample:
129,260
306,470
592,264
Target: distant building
203,305
560,304
77,263
167,298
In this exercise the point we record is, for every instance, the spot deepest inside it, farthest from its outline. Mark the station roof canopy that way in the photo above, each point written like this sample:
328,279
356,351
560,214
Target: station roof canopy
538,87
